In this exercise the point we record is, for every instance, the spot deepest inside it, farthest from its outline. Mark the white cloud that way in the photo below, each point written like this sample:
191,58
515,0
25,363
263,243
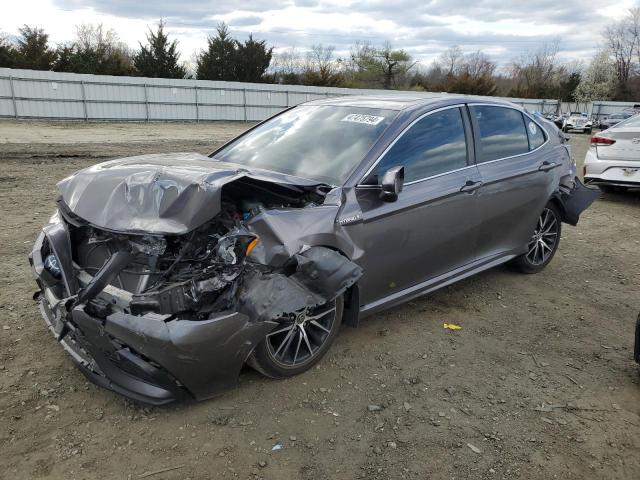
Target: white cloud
423,27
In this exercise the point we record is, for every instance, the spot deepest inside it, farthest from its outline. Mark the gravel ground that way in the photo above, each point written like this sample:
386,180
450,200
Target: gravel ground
539,383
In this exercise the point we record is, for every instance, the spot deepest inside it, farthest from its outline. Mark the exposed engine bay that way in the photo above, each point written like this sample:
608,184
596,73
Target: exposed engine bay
207,269
160,275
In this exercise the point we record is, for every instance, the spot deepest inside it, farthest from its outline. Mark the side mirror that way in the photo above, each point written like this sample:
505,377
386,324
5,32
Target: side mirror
391,184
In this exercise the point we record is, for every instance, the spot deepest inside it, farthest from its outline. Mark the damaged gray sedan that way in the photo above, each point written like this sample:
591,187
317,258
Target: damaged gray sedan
163,275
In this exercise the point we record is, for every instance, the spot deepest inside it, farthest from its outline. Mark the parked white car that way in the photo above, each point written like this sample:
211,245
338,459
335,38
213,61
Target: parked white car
613,159
578,121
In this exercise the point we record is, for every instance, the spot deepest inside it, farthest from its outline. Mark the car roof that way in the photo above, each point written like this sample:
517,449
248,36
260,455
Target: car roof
398,101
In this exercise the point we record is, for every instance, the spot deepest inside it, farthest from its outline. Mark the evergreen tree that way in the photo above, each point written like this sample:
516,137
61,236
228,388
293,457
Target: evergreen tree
33,51
159,58
218,62
253,59
7,53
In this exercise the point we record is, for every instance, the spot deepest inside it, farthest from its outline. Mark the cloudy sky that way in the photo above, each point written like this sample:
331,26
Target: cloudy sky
503,29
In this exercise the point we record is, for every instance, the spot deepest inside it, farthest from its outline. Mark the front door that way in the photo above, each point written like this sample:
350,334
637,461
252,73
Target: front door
432,227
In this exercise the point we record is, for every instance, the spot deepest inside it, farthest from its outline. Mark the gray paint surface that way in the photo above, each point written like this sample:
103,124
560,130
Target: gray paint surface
438,231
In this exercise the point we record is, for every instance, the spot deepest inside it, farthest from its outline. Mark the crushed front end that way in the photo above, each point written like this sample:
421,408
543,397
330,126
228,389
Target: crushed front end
170,317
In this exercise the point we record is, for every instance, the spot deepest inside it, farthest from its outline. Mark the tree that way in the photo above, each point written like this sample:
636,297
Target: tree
33,51
599,80
218,62
379,66
394,63
535,73
252,60
7,53
623,41
450,59
473,75
159,58
95,51
287,67
321,68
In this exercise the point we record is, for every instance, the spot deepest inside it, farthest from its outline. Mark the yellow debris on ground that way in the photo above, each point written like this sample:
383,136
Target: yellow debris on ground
452,326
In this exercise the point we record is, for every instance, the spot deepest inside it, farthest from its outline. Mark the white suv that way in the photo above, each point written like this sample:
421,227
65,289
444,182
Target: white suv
578,121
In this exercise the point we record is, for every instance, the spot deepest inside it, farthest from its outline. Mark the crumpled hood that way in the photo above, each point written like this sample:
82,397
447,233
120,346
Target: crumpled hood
162,194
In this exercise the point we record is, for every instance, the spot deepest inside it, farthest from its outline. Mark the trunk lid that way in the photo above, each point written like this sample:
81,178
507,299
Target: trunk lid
626,146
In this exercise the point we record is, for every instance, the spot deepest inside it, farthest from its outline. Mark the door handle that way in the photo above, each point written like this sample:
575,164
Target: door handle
471,186
546,166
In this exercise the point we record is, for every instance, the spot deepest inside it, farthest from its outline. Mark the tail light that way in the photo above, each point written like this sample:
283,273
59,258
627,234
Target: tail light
601,141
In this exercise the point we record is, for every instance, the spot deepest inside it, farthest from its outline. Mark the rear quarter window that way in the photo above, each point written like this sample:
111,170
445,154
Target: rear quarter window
502,132
536,134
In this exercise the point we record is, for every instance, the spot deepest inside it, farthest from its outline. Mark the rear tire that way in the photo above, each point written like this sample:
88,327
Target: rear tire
297,344
543,243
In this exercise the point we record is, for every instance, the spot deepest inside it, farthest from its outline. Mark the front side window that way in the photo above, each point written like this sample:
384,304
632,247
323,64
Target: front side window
435,144
322,143
502,132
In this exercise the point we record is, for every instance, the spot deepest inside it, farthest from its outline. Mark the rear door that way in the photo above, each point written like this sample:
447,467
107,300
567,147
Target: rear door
432,227
518,175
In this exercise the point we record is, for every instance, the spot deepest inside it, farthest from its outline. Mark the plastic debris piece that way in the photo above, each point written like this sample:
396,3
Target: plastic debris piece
451,326
277,446
474,449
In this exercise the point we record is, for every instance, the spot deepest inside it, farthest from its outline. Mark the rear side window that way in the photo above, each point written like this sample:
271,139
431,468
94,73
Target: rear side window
502,132
536,135
435,144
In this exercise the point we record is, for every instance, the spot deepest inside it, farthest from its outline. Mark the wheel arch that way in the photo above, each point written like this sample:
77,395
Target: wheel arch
351,312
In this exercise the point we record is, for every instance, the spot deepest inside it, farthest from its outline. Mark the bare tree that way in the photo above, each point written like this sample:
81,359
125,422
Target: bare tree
450,59
321,67
476,65
535,73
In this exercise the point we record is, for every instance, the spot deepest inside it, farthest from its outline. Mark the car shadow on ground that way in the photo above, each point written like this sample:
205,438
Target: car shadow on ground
629,197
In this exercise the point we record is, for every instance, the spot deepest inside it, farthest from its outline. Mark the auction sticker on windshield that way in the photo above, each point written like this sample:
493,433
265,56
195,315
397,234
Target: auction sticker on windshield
360,118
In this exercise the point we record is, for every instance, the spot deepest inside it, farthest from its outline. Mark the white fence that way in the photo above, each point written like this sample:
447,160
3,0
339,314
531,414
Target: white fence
599,109
34,94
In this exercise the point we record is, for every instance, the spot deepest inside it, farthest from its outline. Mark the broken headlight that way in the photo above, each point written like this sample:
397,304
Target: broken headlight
235,246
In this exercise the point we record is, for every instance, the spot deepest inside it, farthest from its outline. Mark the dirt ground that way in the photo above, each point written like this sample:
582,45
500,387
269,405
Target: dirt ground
538,384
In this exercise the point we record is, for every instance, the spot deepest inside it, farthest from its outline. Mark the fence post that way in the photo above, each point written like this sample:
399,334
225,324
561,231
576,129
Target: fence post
13,97
287,92
244,103
542,108
84,101
197,106
146,101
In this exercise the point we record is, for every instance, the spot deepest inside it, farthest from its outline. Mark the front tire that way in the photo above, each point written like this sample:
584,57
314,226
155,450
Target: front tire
543,243
299,342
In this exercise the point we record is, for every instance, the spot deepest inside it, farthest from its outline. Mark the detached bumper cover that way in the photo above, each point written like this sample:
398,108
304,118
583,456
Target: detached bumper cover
576,201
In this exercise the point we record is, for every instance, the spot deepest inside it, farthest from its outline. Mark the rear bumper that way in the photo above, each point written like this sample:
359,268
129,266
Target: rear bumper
623,173
148,358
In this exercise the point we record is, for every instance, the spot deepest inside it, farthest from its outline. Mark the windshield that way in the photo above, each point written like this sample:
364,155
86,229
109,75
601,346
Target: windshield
323,143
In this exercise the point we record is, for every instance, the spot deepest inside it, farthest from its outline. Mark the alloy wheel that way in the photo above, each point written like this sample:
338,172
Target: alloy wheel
300,337
544,238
